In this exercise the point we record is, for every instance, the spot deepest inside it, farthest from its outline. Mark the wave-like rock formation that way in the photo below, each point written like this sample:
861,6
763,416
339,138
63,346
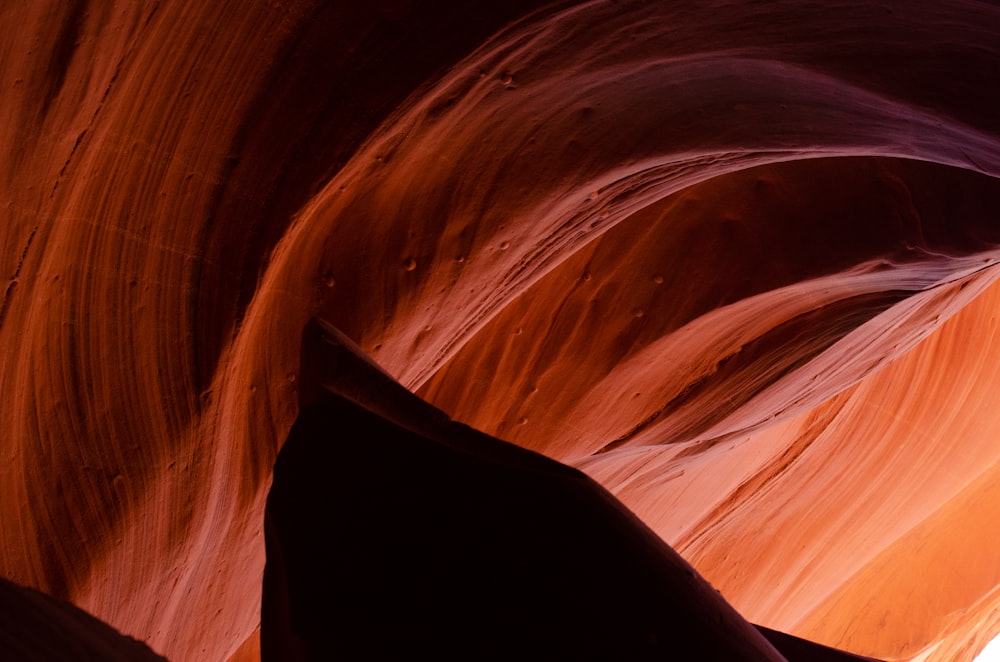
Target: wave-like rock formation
734,260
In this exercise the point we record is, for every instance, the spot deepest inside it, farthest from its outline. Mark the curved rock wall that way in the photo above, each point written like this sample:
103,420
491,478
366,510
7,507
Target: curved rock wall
736,261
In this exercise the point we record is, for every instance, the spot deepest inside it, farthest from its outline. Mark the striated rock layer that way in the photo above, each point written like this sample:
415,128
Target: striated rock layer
736,262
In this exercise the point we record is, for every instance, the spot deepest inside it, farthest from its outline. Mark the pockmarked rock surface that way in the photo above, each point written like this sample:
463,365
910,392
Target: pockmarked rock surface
737,262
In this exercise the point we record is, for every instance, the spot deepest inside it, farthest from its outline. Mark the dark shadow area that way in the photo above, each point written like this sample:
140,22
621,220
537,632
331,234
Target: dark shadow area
394,533
35,627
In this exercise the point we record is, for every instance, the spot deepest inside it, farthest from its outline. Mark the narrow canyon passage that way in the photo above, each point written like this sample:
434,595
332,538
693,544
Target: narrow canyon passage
736,262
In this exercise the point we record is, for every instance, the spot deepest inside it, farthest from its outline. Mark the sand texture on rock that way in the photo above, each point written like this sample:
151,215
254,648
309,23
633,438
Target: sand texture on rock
737,262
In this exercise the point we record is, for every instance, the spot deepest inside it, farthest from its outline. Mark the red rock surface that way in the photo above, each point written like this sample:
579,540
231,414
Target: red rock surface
736,261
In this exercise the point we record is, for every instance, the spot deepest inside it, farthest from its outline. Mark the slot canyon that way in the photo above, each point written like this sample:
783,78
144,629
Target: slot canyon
507,330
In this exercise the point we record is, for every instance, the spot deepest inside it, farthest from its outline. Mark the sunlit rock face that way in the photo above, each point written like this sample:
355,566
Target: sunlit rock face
735,261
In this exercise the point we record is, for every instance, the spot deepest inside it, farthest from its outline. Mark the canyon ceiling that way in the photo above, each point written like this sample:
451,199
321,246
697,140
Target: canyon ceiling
735,261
